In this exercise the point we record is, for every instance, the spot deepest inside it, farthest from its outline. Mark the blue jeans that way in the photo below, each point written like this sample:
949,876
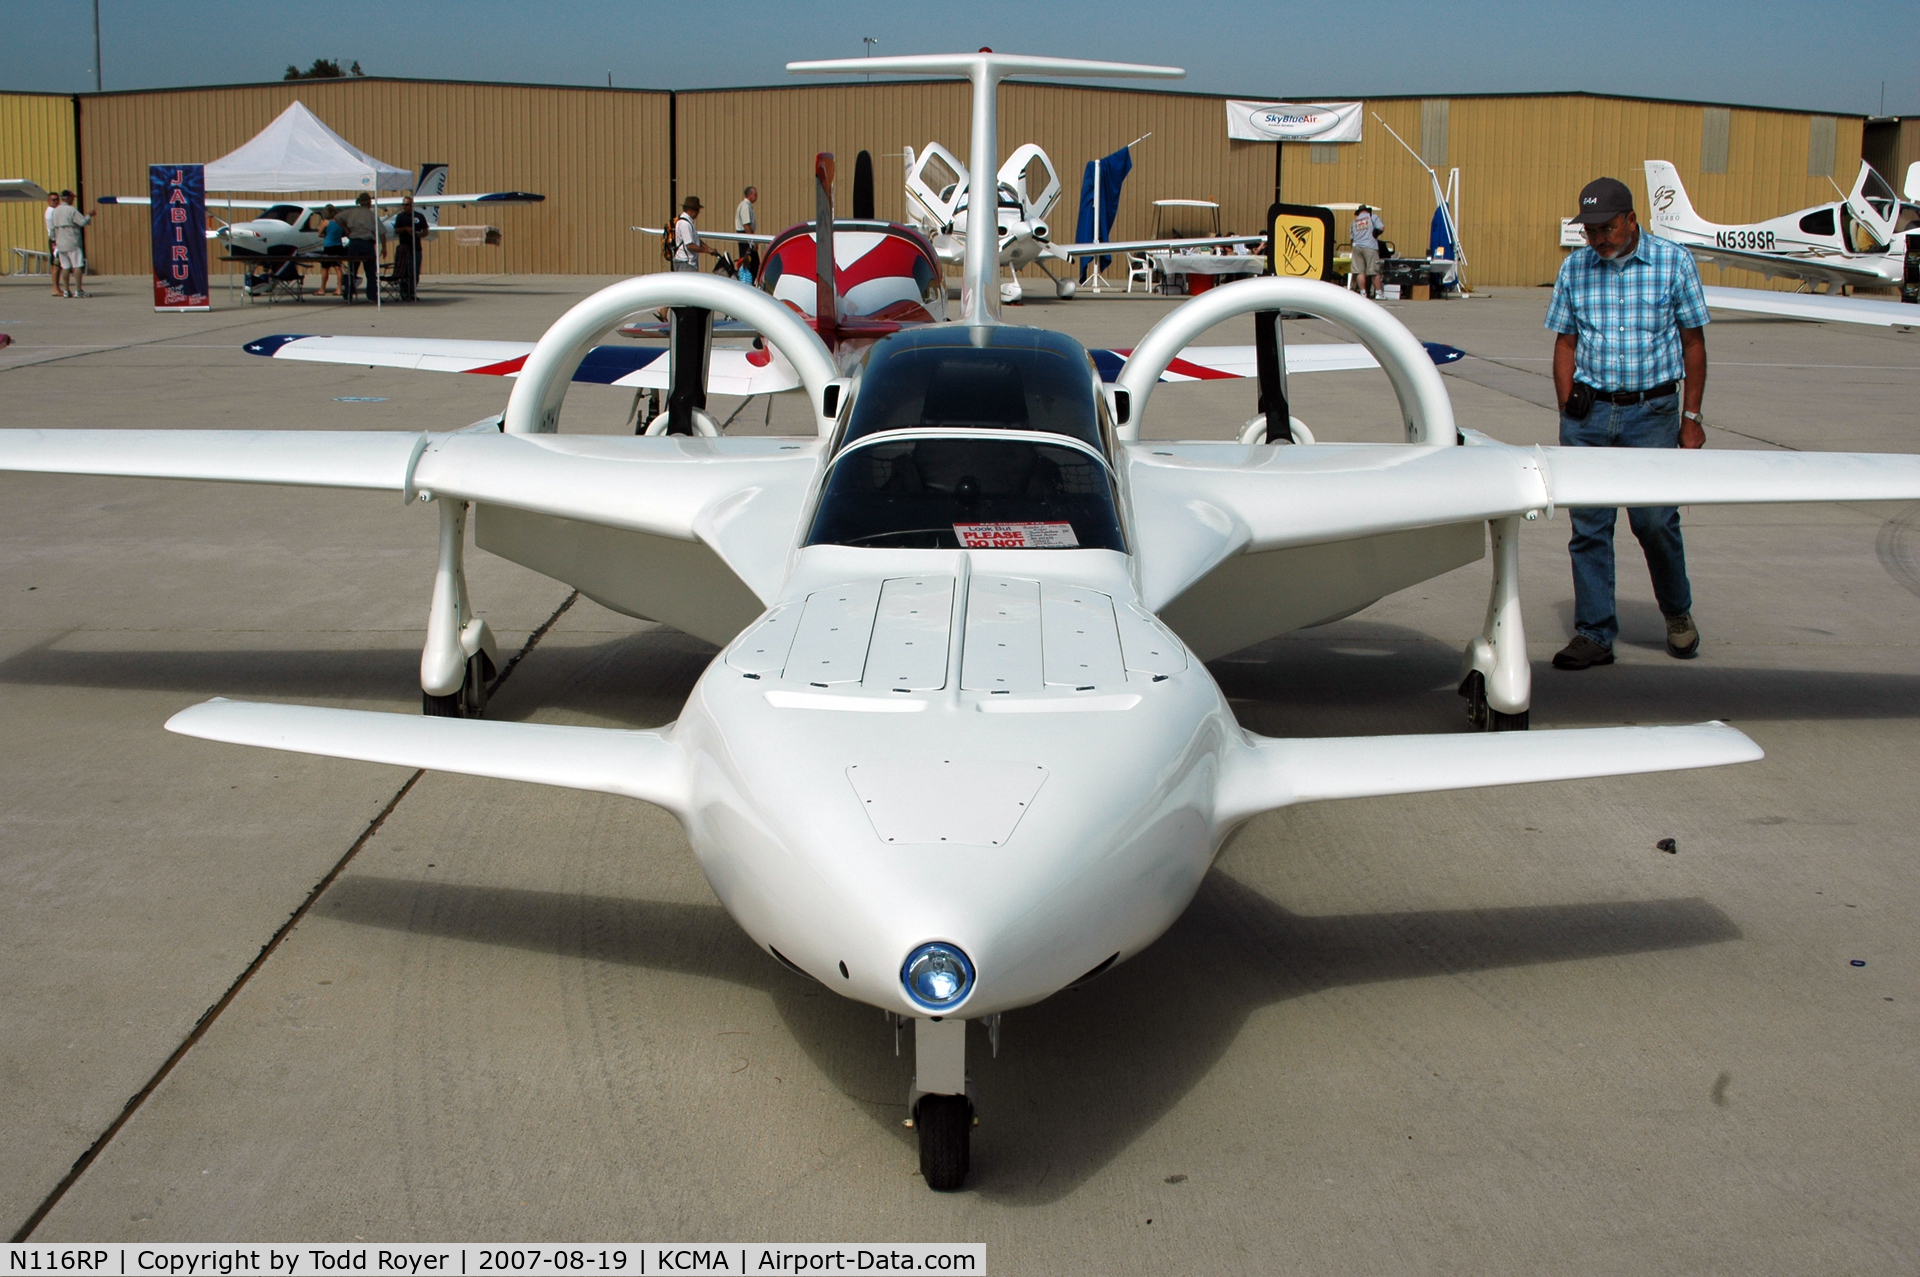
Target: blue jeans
1652,423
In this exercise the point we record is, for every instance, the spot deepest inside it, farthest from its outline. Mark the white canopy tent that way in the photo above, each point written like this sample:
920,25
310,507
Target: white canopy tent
297,152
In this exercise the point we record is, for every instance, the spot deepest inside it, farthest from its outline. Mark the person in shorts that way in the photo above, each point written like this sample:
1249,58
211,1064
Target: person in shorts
69,249
53,272
1366,232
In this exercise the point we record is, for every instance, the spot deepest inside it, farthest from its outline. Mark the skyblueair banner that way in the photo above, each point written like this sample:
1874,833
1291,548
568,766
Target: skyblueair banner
1294,121
178,195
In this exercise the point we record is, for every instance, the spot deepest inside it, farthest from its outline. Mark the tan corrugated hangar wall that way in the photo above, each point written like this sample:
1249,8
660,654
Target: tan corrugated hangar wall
1522,159
36,142
603,157
599,156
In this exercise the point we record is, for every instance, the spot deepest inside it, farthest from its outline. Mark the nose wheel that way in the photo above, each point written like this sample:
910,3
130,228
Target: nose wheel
471,700
1483,716
944,1124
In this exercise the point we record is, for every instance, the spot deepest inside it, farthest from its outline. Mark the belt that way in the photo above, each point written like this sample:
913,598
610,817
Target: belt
1635,396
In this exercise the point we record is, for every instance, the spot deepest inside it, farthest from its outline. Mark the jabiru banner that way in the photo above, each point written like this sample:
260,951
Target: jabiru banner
177,197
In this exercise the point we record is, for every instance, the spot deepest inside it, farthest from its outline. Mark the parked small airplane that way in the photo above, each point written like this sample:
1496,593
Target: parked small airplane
1858,239
937,202
286,227
959,749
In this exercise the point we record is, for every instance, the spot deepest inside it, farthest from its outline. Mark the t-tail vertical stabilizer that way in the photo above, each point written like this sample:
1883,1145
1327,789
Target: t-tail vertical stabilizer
980,287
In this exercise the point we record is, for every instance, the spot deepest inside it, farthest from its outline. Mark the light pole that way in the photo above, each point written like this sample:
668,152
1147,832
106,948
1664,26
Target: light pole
871,40
96,46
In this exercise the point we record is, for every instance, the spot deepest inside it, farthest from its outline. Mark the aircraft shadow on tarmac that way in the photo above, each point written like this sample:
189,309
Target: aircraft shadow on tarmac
1352,678
1084,1074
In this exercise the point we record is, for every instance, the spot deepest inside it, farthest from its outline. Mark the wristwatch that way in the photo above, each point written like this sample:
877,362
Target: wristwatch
1694,417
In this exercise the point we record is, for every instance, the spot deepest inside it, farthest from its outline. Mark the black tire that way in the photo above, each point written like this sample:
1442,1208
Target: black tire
473,693
1498,722
1474,688
441,706
945,1126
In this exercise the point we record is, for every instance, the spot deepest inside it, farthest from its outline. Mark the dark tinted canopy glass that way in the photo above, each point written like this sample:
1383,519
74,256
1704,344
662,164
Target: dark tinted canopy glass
958,491
1021,379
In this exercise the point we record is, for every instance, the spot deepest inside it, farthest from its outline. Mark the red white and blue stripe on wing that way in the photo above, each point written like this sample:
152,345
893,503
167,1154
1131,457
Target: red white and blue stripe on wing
729,372
753,372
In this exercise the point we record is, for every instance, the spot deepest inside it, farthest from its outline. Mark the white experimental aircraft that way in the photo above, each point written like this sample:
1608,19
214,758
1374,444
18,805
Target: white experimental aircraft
286,227
960,749
1860,240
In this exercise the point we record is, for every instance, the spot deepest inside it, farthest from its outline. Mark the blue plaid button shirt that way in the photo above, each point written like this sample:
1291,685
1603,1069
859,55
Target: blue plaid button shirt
1628,313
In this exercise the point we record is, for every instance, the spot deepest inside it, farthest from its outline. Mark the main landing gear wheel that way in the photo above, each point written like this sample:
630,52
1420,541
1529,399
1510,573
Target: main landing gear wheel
471,700
1483,716
944,1124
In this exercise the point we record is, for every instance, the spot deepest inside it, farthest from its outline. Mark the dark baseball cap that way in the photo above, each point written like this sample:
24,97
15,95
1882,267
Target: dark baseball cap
1602,200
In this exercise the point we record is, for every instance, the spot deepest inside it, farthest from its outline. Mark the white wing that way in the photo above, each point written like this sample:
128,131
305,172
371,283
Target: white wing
1199,504
634,764
1218,363
300,458
1817,270
1164,245
729,371
1278,773
1825,307
741,498
738,237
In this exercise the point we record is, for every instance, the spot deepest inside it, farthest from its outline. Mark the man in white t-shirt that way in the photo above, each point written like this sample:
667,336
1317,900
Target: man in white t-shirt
686,237
743,219
69,255
53,202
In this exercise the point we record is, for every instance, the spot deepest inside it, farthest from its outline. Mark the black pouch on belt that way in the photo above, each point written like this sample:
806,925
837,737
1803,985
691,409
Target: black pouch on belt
1580,402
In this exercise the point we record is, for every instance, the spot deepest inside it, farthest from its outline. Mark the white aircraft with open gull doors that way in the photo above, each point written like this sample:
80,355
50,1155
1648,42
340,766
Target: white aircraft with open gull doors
1026,189
960,750
1859,240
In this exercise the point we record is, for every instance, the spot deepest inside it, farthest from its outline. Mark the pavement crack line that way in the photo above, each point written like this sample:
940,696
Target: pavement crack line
212,1014
82,353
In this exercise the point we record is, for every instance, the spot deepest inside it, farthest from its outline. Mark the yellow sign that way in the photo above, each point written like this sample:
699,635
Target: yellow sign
1299,245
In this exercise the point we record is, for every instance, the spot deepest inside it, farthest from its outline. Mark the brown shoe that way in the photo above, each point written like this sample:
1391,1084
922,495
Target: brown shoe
1582,653
1683,637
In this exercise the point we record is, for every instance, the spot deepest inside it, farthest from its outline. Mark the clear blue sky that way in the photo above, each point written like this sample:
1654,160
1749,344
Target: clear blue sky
1796,56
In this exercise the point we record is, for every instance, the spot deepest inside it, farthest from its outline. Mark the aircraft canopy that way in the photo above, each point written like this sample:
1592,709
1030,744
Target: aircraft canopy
297,152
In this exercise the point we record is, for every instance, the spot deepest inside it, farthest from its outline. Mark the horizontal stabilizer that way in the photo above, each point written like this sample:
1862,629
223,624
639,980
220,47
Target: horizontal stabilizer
634,764
1273,773
376,459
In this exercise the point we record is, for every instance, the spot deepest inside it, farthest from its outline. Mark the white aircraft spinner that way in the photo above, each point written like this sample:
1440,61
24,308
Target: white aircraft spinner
960,749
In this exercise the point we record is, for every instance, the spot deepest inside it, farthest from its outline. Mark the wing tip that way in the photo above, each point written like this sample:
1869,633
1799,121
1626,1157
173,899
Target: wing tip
270,346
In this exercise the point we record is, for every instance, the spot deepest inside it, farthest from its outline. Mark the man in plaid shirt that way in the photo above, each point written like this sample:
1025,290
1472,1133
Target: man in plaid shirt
1630,317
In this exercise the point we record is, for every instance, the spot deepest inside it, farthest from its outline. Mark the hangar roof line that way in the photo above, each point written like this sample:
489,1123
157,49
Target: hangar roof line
1343,95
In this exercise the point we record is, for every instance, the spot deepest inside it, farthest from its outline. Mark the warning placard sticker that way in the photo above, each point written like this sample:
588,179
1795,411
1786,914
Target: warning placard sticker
1016,536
